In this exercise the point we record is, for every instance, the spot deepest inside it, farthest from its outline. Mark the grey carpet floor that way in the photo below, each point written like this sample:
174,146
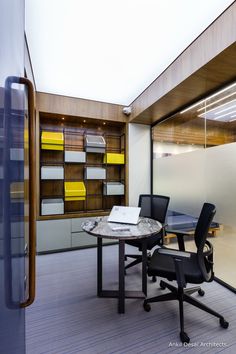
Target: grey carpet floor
68,318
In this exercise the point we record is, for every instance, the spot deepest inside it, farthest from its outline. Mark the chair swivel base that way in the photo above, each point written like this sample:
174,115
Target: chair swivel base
182,295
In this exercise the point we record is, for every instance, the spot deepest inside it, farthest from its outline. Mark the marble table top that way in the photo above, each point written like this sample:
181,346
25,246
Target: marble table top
100,227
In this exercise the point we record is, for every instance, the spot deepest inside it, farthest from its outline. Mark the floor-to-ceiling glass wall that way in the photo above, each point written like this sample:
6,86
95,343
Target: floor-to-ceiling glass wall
194,160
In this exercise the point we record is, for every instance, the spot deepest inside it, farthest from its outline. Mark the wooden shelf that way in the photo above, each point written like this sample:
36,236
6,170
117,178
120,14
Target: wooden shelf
95,202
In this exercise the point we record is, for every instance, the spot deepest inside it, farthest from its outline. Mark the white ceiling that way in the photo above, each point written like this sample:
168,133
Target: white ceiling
110,50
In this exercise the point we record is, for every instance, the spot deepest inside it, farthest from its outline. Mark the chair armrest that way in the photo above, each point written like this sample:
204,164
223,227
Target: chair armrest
180,232
180,237
174,253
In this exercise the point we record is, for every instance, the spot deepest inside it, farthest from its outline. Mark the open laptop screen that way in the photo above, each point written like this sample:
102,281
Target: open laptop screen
124,215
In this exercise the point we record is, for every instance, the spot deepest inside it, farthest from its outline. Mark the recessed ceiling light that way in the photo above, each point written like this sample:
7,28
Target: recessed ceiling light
210,97
224,115
217,101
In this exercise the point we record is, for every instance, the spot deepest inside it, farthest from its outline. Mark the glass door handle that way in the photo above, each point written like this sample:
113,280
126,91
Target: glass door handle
32,192
10,302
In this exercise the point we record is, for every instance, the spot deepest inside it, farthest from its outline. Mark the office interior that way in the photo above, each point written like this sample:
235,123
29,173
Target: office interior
176,138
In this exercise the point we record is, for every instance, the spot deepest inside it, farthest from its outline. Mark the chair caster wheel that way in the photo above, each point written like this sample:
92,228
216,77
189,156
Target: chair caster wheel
201,292
184,337
154,279
223,323
162,285
146,306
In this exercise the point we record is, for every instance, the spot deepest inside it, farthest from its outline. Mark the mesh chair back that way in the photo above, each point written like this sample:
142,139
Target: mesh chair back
154,206
207,214
204,247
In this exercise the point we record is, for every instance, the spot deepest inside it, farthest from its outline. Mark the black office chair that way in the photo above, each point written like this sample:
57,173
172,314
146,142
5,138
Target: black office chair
186,267
154,207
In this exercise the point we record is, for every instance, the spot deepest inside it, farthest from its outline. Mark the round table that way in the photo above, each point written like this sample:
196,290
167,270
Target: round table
101,228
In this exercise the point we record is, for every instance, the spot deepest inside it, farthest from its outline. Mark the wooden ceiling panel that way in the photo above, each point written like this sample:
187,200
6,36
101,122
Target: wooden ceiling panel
216,73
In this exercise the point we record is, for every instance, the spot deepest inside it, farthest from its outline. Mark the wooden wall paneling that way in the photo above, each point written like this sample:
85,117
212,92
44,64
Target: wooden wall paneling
52,189
94,202
94,158
109,201
77,206
114,173
113,143
185,130
94,187
73,172
77,107
74,141
52,157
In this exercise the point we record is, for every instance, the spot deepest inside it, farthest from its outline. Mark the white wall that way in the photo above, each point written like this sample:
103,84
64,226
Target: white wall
139,161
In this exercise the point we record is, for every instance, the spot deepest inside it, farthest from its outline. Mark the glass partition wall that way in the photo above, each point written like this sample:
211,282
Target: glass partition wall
194,160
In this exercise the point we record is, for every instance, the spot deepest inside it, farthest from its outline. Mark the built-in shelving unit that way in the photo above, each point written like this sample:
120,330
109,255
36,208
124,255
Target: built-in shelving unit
82,166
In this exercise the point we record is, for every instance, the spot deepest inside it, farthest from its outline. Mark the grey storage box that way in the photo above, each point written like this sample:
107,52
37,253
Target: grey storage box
75,156
113,188
94,173
95,143
52,172
96,150
52,206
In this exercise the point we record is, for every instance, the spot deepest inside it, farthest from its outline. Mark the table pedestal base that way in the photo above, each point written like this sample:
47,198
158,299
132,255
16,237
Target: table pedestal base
121,293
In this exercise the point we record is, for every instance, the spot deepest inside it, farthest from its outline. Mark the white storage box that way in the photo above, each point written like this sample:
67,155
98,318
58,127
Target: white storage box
96,150
75,156
95,143
52,206
113,188
94,173
52,172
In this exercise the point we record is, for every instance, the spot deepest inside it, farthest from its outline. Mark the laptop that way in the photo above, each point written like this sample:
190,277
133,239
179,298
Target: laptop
124,215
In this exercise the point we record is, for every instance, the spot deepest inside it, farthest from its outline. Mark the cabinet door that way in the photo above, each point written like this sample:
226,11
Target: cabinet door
53,235
82,239
76,224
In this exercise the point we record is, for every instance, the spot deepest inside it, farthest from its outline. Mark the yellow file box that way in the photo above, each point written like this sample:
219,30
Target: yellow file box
114,158
52,141
52,138
74,191
71,199
52,147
